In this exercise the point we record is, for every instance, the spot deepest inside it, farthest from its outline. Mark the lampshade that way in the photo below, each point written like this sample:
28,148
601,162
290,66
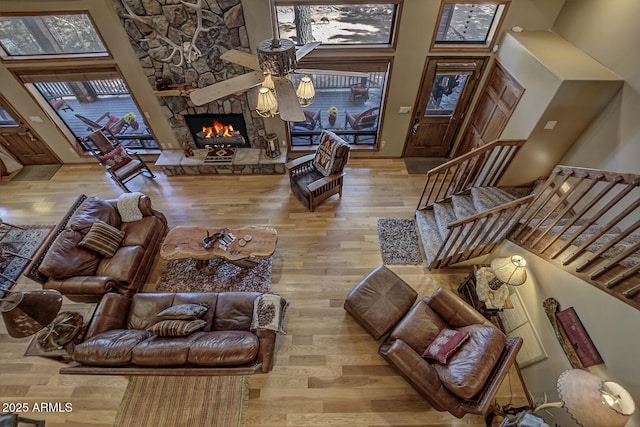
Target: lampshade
305,91
593,401
510,270
25,313
268,82
267,103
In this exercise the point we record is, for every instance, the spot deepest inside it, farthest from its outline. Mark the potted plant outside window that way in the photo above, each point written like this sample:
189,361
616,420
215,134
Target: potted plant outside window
333,113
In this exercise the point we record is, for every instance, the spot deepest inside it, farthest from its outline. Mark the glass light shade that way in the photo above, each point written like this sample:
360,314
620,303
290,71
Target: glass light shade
25,313
267,103
306,91
510,270
268,82
593,401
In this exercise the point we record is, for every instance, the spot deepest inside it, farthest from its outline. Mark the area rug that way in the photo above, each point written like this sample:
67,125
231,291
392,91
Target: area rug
422,165
217,276
170,401
36,173
399,241
22,242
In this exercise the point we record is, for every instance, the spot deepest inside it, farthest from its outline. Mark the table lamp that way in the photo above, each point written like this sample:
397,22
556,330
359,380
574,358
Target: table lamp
592,401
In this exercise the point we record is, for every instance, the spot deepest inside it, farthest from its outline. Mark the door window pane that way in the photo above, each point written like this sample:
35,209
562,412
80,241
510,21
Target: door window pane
7,119
42,35
445,94
87,105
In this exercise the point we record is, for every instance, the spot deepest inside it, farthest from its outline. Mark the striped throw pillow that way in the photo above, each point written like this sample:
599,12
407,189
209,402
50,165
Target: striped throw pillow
102,238
176,328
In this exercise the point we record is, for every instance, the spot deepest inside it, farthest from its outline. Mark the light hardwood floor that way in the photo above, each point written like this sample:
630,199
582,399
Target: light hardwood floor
327,370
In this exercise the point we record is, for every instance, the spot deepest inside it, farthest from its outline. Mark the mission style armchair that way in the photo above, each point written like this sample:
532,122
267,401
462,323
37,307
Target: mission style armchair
121,164
316,177
468,380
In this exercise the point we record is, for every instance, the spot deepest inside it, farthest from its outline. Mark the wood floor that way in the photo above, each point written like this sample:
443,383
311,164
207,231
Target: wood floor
327,370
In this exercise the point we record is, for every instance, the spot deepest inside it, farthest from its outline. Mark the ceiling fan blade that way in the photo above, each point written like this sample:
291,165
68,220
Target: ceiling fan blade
226,88
331,72
242,58
288,105
306,49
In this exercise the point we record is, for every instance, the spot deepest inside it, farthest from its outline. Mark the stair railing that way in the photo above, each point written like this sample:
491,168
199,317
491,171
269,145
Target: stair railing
580,207
480,167
479,234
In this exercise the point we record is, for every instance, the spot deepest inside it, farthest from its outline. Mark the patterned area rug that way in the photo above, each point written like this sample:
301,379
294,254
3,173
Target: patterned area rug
217,276
212,401
22,242
399,241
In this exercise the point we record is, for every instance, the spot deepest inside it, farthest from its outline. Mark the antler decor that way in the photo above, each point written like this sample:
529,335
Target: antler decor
188,50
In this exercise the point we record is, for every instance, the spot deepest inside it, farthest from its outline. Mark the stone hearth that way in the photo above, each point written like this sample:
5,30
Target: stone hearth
246,161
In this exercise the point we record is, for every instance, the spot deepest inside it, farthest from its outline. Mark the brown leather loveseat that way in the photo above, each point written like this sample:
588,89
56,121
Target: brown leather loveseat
123,337
84,275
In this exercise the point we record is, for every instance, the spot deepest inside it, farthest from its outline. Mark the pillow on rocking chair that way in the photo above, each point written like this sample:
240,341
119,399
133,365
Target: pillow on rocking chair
116,158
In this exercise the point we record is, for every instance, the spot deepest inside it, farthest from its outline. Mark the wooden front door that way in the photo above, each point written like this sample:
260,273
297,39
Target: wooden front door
447,87
21,141
496,104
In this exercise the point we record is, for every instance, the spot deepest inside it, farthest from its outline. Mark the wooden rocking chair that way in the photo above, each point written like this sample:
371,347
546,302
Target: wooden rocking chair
121,164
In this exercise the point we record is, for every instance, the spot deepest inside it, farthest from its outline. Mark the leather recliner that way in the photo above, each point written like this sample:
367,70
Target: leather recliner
469,380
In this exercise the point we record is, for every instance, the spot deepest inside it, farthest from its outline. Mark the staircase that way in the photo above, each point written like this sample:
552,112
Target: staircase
584,220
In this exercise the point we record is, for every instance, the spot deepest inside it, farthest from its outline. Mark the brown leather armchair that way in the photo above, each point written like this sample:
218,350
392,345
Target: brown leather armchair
468,382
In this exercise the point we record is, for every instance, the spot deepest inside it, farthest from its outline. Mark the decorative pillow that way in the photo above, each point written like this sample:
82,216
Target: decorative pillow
326,153
268,313
369,118
103,239
445,344
177,328
116,158
183,312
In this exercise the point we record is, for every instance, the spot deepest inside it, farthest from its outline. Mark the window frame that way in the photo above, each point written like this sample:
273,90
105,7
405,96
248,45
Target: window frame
487,45
6,57
348,48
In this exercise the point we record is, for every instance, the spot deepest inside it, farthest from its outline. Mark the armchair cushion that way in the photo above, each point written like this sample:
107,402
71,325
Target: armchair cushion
468,369
67,259
91,209
419,327
102,238
445,344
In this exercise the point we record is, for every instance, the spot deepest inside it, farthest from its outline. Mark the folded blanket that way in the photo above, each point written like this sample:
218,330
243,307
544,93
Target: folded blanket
268,313
128,207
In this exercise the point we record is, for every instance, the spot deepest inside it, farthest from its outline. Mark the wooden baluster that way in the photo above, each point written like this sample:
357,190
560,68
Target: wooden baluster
539,195
614,261
609,245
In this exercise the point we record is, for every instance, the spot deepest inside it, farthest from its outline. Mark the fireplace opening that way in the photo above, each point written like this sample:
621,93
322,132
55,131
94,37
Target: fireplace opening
218,131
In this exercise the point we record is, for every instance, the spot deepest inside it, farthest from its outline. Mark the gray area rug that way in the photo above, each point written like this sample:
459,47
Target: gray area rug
399,241
218,276
422,165
36,173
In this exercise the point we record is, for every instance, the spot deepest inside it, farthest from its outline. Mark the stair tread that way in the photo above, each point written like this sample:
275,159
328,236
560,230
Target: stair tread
463,206
431,242
444,215
485,198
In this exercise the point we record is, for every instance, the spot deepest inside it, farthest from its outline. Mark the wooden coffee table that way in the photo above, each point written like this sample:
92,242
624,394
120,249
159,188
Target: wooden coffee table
183,242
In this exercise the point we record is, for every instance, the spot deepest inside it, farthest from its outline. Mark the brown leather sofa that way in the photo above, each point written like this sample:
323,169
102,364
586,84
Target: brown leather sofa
470,378
83,275
118,342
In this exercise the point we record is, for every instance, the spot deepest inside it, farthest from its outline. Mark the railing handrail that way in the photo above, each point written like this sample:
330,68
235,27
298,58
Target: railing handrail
469,170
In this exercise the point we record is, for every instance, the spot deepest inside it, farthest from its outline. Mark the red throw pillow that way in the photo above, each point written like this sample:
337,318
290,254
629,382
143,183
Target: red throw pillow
116,158
445,344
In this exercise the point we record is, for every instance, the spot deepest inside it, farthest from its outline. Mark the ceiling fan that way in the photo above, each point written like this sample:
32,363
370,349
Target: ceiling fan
276,59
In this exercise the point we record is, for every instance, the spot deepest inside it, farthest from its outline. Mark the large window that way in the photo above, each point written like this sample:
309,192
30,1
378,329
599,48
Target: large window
49,36
339,24
349,105
470,25
89,100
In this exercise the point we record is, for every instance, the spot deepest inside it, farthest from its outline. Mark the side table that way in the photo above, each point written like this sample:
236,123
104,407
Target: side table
64,353
468,292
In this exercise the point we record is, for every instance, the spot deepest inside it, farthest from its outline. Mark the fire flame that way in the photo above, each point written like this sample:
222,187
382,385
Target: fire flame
217,130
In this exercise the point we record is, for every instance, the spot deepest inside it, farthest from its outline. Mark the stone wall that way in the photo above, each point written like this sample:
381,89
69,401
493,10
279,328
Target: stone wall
158,29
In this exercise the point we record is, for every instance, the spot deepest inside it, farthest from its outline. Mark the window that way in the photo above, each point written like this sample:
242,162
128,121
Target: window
346,103
88,100
346,24
23,37
468,25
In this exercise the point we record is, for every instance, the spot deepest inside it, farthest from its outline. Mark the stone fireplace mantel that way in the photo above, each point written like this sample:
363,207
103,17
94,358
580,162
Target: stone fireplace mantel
246,161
